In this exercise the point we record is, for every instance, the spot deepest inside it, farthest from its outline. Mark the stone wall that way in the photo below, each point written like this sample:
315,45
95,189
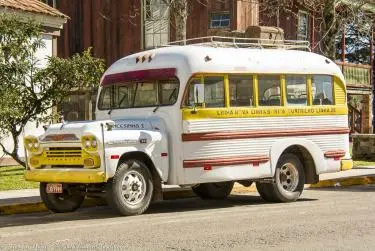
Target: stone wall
363,147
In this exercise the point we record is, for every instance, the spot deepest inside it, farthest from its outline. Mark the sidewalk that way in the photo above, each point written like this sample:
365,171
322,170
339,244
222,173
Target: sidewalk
28,200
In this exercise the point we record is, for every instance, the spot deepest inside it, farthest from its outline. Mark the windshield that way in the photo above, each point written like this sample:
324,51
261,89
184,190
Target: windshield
139,94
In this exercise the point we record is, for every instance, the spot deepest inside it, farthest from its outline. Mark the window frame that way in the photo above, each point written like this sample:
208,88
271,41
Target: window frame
255,78
300,36
112,86
213,13
281,85
307,77
332,90
201,77
146,17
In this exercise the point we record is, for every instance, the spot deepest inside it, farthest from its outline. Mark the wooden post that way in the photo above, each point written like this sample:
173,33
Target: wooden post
313,31
372,51
343,45
372,111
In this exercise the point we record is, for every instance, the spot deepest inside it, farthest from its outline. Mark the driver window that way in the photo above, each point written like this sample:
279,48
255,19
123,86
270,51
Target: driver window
269,90
206,92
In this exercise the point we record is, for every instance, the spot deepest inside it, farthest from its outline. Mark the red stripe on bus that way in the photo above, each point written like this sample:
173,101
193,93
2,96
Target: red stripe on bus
226,161
334,154
153,74
253,134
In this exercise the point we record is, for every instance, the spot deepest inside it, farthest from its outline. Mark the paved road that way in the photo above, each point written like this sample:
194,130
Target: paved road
326,219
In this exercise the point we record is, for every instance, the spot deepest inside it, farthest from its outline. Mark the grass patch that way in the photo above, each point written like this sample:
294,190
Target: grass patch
11,178
360,163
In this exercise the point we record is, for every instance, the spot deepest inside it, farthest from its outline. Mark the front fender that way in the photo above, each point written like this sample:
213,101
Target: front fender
113,156
279,146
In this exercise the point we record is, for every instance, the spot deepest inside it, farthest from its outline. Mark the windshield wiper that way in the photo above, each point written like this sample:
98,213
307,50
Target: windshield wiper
156,108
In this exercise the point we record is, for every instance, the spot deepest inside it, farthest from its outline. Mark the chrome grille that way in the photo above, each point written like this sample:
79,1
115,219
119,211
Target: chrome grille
64,152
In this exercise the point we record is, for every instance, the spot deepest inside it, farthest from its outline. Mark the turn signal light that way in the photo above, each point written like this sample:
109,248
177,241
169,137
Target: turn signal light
88,162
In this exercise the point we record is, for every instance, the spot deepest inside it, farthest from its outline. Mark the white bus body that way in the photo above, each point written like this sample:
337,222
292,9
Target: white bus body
203,144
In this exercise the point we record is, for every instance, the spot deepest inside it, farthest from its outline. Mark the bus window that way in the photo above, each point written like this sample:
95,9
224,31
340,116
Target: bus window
241,90
168,92
139,94
296,90
322,87
146,94
210,93
105,98
124,96
214,91
269,90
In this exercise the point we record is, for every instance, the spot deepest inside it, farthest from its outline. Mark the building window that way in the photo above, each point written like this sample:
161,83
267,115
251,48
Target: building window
303,26
51,3
155,23
220,20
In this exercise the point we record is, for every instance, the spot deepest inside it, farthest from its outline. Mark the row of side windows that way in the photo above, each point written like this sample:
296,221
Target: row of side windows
209,91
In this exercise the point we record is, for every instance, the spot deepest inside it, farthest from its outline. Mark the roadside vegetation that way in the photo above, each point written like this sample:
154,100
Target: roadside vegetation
11,178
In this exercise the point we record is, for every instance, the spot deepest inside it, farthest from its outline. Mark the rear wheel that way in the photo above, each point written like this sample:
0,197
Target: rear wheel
289,181
130,191
218,190
68,201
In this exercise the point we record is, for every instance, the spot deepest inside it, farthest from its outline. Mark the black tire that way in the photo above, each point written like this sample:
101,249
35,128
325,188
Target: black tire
132,178
218,190
289,181
70,200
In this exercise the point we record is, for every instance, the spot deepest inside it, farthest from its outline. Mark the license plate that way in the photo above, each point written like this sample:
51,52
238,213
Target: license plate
54,188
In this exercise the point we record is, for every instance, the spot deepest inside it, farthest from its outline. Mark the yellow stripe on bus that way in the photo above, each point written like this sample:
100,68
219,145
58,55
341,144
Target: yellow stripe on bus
223,113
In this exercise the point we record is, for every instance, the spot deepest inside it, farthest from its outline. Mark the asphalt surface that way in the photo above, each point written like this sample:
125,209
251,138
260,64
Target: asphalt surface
340,218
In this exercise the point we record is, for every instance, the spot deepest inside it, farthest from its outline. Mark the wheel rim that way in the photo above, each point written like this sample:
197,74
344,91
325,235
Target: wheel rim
288,177
133,187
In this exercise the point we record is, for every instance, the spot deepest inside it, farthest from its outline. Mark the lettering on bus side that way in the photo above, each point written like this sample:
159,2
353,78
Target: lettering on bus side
130,125
275,111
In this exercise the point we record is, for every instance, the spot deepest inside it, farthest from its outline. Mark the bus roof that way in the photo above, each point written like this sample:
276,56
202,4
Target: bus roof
191,59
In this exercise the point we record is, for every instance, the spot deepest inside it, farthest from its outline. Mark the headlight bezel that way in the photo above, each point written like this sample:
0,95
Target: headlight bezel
32,144
89,143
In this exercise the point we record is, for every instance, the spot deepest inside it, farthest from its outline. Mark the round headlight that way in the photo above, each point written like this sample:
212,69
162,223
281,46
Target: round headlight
36,145
94,143
87,143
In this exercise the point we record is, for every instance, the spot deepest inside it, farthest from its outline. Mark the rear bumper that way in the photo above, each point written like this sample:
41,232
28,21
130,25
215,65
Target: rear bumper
65,176
346,164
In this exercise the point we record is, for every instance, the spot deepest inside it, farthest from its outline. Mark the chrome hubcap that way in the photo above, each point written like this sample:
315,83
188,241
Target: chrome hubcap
288,177
133,187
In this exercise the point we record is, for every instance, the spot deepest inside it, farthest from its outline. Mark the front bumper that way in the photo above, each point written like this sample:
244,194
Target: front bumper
346,164
65,176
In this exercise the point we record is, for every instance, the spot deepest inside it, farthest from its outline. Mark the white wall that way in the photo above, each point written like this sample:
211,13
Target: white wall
31,128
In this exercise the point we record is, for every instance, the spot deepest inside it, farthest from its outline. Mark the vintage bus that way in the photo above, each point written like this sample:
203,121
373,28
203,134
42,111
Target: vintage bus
203,116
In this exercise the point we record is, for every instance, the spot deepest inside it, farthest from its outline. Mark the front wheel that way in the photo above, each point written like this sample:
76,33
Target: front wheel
289,181
68,201
130,191
218,190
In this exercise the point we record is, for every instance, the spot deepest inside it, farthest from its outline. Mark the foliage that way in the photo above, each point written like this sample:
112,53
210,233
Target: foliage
12,178
331,16
30,87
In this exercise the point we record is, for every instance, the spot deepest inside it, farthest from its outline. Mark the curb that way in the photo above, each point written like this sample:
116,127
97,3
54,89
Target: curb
352,181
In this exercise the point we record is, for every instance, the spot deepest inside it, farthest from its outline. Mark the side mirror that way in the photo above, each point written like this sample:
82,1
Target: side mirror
110,125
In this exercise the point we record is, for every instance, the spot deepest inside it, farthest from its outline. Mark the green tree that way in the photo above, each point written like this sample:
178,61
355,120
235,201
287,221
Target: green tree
30,90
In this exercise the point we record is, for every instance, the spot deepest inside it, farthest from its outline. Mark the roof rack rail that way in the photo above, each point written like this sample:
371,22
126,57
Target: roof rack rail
240,42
